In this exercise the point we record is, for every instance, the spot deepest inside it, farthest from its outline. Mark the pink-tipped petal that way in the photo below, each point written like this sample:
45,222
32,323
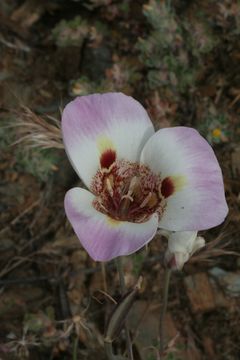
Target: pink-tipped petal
99,128
102,237
192,179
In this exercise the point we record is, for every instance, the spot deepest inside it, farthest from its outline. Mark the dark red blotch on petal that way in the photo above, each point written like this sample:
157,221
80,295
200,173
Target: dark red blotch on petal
167,187
107,158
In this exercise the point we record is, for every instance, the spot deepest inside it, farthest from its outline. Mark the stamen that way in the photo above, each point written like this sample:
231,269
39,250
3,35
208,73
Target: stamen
109,187
98,204
142,218
133,183
146,200
103,207
124,206
153,201
129,197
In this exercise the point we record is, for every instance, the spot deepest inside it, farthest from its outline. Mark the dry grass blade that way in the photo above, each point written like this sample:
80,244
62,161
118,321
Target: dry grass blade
213,249
37,131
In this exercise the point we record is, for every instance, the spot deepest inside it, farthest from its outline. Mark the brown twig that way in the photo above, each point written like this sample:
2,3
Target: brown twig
10,267
18,217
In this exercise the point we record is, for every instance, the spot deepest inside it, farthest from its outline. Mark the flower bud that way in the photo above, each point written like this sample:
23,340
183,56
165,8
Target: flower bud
181,246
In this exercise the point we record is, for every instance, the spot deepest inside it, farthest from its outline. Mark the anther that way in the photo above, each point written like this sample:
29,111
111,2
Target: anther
109,187
134,181
146,200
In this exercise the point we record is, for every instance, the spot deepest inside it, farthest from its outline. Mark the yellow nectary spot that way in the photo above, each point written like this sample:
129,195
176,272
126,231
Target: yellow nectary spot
112,222
104,144
107,151
179,182
171,184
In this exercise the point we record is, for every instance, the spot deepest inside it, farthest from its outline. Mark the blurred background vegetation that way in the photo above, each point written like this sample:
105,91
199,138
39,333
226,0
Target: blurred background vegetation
180,59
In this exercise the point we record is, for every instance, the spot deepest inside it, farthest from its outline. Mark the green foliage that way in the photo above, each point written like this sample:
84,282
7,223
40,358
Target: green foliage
172,356
33,323
70,33
215,126
7,135
39,322
37,162
174,48
169,356
151,357
81,86
138,259
163,51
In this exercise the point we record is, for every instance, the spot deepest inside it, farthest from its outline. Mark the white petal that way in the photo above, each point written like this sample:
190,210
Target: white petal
191,179
182,241
102,237
98,127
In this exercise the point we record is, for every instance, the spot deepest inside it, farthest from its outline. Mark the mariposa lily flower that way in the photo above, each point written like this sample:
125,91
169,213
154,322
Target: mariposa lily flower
138,180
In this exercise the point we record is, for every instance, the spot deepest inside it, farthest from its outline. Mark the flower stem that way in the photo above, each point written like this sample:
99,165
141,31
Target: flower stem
123,290
109,351
167,276
75,348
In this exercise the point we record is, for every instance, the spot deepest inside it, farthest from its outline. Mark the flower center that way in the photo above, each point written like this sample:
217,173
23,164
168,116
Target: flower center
128,191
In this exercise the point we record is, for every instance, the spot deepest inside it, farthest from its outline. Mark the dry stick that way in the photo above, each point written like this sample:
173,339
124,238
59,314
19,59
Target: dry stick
167,276
123,290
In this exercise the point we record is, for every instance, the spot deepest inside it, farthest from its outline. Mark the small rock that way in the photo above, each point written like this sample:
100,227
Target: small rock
228,281
200,292
144,318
